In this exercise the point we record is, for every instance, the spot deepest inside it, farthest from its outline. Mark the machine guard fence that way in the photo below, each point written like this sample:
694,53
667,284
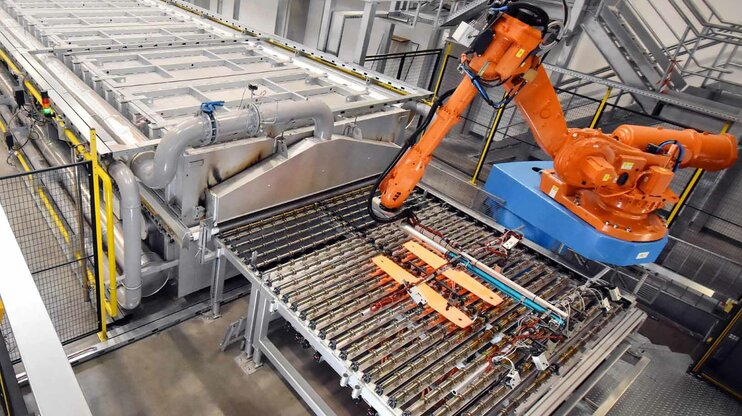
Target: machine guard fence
58,245
410,67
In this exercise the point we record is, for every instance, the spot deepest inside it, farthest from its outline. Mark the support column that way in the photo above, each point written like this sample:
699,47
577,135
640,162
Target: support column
252,312
386,44
282,18
429,61
261,326
364,35
217,285
236,9
324,27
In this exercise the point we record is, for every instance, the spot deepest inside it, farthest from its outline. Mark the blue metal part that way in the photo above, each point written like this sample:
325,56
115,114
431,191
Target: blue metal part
549,224
503,287
209,107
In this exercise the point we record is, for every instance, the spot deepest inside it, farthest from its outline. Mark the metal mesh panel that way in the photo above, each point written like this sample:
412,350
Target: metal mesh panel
44,209
411,67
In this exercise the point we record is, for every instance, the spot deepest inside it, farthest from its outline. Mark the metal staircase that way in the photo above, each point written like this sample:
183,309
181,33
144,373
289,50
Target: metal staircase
639,58
440,13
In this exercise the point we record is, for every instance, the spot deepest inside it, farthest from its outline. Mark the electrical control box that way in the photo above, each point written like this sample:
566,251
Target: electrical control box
465,34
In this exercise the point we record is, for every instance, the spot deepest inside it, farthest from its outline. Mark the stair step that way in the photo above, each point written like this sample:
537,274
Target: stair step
628,41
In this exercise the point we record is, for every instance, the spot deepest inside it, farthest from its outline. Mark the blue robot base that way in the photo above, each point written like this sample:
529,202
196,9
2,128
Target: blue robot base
549,224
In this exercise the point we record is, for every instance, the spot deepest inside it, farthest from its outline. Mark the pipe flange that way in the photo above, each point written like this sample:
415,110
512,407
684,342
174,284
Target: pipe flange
253,123
211,130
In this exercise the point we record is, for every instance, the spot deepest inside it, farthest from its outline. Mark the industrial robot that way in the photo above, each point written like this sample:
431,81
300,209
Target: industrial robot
601,194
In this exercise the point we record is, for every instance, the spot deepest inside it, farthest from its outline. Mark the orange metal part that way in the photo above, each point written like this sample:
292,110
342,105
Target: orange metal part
435,261
610,181
433,298
440,305
457,276
395,271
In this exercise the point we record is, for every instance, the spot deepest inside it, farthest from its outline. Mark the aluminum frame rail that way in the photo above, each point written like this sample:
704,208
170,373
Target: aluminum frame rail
309,264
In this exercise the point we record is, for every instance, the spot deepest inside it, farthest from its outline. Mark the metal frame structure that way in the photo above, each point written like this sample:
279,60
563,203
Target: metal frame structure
265,305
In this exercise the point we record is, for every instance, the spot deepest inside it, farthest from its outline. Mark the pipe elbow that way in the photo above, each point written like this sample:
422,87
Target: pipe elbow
417,107
131,218
322,117
289,112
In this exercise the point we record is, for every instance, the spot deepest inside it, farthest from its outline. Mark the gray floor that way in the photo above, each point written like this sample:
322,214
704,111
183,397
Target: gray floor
181,371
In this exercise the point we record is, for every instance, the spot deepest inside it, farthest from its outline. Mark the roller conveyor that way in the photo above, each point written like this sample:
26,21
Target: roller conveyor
313,264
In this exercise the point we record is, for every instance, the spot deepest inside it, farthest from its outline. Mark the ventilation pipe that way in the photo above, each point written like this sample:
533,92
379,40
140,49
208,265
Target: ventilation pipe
210,127
130,292
417,107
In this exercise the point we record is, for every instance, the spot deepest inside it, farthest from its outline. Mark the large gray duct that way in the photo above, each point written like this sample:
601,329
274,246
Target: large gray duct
130,292
127,235
158,170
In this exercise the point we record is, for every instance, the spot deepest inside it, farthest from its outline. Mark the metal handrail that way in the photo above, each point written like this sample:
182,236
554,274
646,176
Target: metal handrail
109,304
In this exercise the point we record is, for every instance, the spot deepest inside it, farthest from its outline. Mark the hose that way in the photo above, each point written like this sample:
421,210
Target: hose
411,141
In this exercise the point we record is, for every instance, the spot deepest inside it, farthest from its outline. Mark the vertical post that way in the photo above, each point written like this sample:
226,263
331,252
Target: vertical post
601,108
282,18
252,314
236,9
435,69
488,142
367,25
103,335
261,327
442,70
689,188
81,228
324,27
386,44
401,67
217,285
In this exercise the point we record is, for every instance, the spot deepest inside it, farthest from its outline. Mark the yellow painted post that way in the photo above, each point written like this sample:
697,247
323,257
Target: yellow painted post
601,107
112,304
689,187
103,335
718,341
444,61
488,142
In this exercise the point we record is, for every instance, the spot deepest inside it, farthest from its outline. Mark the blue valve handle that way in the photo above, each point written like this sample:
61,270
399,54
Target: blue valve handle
209,107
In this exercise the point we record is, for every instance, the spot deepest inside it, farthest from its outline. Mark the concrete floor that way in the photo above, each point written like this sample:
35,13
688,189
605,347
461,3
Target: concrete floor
180,371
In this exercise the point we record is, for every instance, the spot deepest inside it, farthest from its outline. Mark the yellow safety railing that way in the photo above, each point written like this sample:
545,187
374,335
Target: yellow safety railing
488,142
442,70
109,304
601,108
22,77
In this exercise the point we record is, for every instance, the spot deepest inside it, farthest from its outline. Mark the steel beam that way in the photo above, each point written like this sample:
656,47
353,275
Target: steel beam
364,34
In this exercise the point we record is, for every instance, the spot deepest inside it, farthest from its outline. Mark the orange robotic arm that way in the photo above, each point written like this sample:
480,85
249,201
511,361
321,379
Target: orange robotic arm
615,182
